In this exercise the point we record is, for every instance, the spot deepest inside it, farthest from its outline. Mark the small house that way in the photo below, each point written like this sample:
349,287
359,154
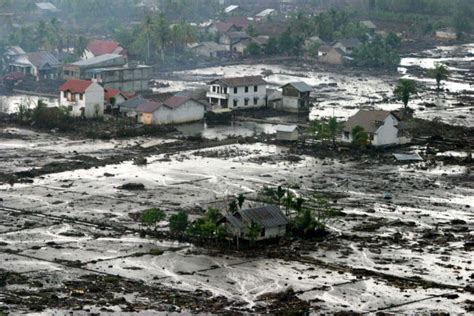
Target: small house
296,97
287,133
265,14
369,25
383,127
347,45
238,92
210,49
10,54
446,34
269,218
129,107
40,65
330,55
113,98
174,110
83,98
101,47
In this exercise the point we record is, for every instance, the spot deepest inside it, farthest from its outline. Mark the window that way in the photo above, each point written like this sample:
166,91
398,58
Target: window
235,103
262,233
225,90
255,88
213,88
65,95
81,96
255,101
246,89
246,101
235,90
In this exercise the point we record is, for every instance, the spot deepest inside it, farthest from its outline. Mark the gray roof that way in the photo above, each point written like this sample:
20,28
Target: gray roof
132,104
300,86
286,128
350,42
41,59
368,24
408,157
48,6
267,216
240,81
96,60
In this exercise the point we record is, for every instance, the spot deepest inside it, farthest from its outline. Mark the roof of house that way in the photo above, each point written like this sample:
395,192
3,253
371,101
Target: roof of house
47,6
325,48
369,120
149,107
349,42
101,47
368,24
223,27
267,216
97,60
238,35
41,59
300,86
211,46
241,81
132,104
231,8
111,93
238,21
76,85
15,50
159,97
176,101
261,39
286,128
265,13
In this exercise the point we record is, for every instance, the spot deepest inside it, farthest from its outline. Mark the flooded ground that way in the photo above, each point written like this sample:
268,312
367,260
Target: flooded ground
409,254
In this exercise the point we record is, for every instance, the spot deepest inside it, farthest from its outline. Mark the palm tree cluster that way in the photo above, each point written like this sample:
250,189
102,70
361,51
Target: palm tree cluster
326,131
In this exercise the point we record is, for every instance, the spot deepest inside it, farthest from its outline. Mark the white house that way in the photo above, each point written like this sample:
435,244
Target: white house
82,97
296,97
383,127
174,110
238,92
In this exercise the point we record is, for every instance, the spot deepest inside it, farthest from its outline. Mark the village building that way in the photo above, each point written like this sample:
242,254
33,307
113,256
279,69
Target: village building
238,92
46,8
233,41
217,28
112,71
270,218
129,107
330,55
102,47
40,65
233,9
296,97
265,14
347,45
10,54
174,110
383,127
369,25
113,98
446,34
82,98
210,50
287,133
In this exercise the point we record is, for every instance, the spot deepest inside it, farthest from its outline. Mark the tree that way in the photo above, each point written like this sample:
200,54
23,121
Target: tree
439,72
404,89
319,130
152,217
334,128
393,40
253,49
253,231
179,222
360,136
288,201
240,200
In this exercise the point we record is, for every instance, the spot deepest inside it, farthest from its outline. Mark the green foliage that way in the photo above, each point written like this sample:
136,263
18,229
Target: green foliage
393,40
253,231
253,49
179,222
439,72
233,206
326,131
152,217
240,200
379,54
359,136
315,213
44,117
207,226
404,90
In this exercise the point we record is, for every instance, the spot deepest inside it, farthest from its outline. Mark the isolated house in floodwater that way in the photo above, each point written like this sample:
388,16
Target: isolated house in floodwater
238,92
295,97
270,218
384,128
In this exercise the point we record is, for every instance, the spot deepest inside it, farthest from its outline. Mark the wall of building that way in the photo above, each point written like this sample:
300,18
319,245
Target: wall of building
287,136
191,111
387,133
94,98
241,95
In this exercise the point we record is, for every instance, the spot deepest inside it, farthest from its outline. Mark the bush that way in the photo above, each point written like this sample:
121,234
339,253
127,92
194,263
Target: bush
179,222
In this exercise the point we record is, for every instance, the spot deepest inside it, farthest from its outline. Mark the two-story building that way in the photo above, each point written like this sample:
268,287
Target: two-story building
296,97
102,47
238,92
40,65
82,98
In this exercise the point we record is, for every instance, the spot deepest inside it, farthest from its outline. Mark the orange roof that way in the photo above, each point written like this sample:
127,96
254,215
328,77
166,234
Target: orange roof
76,86
102,47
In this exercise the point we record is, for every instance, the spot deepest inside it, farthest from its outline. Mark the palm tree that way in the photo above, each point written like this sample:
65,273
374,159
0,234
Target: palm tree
147,29
404,89
439,72
288,201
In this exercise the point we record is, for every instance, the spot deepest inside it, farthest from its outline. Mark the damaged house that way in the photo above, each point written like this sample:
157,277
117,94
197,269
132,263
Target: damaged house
384,128
40,65
269,218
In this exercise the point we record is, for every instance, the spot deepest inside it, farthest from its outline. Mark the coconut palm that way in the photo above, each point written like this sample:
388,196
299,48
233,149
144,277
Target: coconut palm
404,90
439,72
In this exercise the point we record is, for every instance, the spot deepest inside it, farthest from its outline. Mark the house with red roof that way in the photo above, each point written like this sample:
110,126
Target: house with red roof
101,47
113,98
173,110
83,98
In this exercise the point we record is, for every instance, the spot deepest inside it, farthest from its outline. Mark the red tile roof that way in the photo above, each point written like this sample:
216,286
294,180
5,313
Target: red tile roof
110,93
76,86
102,47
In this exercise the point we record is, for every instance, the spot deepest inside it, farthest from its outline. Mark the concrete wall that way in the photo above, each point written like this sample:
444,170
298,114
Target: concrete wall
241,95
287,136
191,111
94,101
